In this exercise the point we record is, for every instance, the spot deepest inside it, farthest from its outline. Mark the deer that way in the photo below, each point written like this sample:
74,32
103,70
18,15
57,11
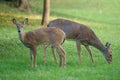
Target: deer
83,35
43,36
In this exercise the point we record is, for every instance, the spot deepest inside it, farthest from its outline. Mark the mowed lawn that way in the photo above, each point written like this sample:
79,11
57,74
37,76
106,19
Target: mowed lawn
103,17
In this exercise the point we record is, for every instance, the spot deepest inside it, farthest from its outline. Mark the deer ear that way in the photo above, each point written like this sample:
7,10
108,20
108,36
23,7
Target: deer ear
25,21
107,44
14,21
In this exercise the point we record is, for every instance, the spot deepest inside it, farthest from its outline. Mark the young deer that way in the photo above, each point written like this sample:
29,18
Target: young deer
46,36
82,35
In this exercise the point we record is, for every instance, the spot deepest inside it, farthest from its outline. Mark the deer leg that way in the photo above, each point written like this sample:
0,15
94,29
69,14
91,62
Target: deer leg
34,55
60,60
89,50
31,56
62,56
45,47
78,43
54,54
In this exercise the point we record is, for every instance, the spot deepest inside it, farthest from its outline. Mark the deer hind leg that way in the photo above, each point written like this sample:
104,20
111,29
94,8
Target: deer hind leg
53,51
89,50
78,44
62,56
54,54
45,47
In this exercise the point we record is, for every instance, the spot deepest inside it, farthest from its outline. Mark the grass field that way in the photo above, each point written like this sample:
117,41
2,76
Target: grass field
102,16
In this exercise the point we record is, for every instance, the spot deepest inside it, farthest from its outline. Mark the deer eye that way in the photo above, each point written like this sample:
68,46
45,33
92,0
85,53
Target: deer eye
110,55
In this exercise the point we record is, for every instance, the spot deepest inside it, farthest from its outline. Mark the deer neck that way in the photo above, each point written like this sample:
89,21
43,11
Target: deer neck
99,46
21,35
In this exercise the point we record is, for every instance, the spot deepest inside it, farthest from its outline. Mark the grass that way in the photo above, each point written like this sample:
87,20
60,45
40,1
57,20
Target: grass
96,11
102,16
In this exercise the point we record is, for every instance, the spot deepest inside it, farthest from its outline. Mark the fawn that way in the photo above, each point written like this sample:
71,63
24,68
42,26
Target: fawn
47,36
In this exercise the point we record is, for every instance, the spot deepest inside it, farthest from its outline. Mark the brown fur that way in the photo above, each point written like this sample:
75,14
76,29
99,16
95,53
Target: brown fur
46,36
82,35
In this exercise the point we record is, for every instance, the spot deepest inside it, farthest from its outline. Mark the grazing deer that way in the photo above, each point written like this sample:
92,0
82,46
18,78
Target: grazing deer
46,36
82,35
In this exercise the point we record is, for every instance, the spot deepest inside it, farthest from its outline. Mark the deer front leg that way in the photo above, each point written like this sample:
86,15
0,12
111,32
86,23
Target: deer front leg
78,43
89,51
35,63
31,57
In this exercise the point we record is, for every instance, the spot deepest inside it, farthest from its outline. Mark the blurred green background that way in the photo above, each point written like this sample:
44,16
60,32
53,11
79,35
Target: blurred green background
102,16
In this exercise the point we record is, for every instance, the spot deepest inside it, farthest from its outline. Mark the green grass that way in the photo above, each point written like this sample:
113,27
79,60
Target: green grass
102,17
104,11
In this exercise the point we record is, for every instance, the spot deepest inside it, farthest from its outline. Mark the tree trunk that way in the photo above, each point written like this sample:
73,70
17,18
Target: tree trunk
22,5
46,12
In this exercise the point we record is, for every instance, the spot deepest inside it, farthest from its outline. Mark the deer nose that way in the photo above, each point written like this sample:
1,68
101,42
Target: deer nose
109,60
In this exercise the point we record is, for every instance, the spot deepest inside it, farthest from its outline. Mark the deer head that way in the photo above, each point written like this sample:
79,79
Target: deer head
20,25
108,53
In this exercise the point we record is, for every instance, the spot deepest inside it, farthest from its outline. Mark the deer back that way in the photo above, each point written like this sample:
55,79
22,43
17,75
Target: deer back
72,29
44,35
